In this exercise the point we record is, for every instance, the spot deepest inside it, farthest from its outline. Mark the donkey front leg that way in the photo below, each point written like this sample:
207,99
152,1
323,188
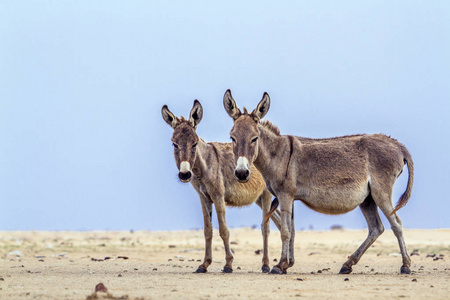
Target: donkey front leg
224,234
286,219
292,240
265,200
208,231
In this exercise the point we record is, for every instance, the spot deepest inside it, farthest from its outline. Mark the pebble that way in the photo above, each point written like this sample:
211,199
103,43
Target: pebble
100,287
346,279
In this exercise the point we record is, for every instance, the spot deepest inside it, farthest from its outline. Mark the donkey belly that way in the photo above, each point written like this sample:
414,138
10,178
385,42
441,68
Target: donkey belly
335,201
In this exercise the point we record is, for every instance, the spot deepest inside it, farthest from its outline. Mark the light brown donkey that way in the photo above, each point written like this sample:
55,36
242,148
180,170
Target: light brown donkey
331,176
210,167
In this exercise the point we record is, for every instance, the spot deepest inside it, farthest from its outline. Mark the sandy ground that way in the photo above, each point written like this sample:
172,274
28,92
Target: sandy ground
160,265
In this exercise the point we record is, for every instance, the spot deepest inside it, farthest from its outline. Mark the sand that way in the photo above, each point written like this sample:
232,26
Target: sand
160,265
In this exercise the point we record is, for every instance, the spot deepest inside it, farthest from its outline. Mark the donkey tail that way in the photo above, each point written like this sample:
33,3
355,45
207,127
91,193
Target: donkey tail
273,208
407,194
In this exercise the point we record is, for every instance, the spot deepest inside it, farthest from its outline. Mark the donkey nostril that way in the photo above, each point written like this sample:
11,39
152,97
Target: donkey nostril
242,174
184,175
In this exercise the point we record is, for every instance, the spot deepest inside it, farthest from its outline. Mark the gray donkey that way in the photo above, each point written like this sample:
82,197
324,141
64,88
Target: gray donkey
331,176
210,167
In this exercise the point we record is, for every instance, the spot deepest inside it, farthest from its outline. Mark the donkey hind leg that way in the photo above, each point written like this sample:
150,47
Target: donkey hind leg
286,218
376,228
208,231
224,234
396,226
292,240
265,200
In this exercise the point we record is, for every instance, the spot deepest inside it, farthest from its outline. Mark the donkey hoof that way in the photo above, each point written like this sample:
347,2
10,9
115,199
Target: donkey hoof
345,270
276,270
265,269
405,270
200,270
227,270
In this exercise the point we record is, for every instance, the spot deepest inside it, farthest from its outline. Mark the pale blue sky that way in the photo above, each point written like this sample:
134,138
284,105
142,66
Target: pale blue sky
82,141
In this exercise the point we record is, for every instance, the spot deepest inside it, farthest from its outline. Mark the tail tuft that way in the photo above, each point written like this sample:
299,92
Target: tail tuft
273,208
407,194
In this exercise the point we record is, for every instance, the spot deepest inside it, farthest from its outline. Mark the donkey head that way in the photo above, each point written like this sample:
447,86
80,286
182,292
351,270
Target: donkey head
184,138
245,133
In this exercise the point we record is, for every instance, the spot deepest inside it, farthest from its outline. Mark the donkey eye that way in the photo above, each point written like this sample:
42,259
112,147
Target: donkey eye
254,139
232,139
195,145
175,145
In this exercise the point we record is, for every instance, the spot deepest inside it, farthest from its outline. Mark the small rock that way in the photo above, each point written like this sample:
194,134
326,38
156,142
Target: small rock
120,275
414,280
100,287
346,279
155,269
313,253
238,268
431,255
258,252
299,279
123,257
172,246
320,271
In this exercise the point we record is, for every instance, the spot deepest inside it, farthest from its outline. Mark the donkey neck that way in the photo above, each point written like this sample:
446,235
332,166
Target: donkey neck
270,150
204,157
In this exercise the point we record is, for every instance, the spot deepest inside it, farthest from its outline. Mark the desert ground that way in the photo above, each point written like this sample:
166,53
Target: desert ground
160,265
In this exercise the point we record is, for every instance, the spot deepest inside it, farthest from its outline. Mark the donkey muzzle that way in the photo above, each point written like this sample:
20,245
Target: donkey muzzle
242,171
185,173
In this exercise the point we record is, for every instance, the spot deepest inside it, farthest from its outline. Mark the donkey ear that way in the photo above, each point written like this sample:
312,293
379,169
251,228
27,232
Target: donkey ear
230,105
262,108
196,114
169,117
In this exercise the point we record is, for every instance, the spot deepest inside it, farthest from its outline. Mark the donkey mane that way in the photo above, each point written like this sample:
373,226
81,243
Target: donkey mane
270,126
